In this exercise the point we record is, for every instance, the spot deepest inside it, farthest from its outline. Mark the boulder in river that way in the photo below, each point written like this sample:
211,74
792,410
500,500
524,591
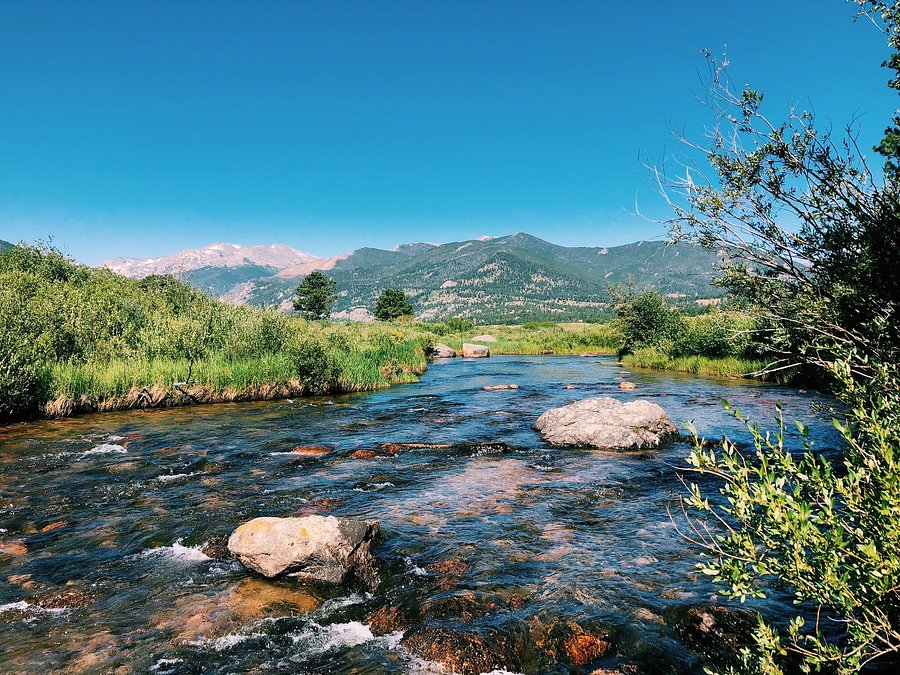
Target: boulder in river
314,548
606,423
500,387
442,351
471,351
484,338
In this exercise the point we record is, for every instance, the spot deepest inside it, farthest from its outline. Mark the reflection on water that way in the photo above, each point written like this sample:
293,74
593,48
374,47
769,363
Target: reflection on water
112,525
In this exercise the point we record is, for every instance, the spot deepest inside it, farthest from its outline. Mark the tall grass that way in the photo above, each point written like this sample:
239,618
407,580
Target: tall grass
722,366
534,338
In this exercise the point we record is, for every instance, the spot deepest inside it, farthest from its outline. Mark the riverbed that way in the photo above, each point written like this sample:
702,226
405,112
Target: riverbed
111,524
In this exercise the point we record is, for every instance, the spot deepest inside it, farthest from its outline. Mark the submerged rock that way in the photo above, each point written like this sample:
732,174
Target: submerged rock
468,652
386,620
500,387
627,385
310,450
471,351
313,548
713,631
442,351
606,423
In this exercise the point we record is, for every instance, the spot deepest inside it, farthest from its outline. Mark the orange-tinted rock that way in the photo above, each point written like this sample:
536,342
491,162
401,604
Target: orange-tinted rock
364,454
310,450
627,385
582,649
53,526
11,549
386,620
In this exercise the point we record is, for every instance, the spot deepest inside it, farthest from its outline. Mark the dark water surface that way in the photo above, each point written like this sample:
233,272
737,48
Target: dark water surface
110,513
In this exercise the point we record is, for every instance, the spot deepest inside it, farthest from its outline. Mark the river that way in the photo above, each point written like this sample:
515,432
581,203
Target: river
105,519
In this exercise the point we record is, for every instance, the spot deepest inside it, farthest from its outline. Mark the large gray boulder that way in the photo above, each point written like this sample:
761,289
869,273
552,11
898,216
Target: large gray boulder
471,351
312,548
442,351
606,423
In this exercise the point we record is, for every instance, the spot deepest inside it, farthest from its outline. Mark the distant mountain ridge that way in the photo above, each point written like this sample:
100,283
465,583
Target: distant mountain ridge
275,256
514,278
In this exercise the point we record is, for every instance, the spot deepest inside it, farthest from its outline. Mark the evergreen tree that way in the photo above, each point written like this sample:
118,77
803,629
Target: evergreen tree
315,296
392,304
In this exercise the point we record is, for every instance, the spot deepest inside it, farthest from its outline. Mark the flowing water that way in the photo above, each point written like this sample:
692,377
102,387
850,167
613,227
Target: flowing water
104,521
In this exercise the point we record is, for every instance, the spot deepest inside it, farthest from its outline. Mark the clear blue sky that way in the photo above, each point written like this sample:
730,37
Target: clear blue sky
142,128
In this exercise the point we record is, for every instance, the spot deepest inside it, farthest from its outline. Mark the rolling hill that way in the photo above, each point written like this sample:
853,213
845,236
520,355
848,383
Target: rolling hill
506,279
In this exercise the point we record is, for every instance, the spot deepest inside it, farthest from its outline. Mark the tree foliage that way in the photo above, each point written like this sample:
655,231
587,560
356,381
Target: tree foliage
811,239
315,296
392,304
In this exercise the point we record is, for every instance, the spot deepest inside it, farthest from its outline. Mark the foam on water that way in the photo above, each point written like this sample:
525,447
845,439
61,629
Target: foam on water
169,477
178,552
105,449
220,644
415,569
164,664
316,638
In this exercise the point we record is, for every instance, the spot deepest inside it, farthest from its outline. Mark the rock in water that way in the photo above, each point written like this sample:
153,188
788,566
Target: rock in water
442,351
313,548
606,423
471,351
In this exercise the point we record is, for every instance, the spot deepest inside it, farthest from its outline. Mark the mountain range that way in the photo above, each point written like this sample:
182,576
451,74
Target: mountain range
513,278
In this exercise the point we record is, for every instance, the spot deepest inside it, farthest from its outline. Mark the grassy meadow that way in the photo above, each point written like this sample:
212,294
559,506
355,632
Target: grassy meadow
75,339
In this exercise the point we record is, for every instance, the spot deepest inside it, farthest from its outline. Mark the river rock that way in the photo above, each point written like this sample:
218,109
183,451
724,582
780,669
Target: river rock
713,631
471,351
313,548
606,423
442,351
484,338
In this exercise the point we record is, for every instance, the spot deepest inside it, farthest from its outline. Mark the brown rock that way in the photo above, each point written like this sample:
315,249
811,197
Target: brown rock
467,653
386,620
68,599
627,385
364,454
500,387
450,567
310,450
582,649
11,549
253,599
395,448
53,526
216,548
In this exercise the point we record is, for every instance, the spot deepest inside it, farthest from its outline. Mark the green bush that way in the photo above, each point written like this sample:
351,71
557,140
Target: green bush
648,321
